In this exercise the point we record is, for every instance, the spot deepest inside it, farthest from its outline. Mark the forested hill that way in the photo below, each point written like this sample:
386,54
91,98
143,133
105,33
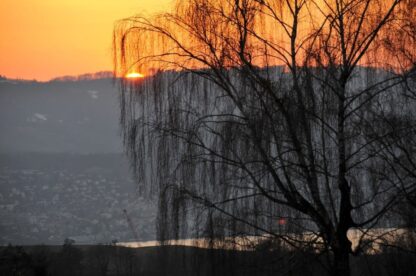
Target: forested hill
62,169
59,116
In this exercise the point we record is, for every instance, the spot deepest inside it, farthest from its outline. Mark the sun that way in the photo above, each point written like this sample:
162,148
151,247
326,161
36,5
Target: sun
134,75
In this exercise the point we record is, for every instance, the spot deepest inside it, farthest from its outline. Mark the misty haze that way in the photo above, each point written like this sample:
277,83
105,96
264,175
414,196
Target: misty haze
61,152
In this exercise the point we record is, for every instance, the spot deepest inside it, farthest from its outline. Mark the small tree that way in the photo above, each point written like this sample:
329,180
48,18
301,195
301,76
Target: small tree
267,111
68,261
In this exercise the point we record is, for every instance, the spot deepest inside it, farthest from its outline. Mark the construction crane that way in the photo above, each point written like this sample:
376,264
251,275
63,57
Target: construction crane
130,223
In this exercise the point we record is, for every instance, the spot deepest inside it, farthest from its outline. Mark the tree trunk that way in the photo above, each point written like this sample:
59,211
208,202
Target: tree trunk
341,260
341,264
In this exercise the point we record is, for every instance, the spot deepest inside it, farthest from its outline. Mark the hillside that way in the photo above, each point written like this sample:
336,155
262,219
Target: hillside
62,170
59,116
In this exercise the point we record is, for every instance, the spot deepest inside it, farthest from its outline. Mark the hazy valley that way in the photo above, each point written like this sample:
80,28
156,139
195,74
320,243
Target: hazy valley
62,170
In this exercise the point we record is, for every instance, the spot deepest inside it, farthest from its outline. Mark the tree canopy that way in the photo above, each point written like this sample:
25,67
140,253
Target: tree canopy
278,119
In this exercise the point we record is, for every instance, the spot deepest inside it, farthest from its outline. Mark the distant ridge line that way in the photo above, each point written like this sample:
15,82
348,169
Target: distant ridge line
87,76
82,77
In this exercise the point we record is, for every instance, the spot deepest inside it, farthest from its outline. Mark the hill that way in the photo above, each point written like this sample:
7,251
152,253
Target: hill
59,116
62,170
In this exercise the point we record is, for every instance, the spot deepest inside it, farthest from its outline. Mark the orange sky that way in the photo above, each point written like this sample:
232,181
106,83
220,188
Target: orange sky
42,39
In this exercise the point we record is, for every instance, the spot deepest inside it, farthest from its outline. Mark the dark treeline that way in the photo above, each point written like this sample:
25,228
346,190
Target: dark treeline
267,259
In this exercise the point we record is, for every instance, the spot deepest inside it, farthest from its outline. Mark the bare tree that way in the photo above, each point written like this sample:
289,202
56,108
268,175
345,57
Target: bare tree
398,147
265,118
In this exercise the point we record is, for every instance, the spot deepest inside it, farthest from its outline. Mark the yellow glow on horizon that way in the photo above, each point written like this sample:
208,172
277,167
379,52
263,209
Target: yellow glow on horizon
134,75
44,39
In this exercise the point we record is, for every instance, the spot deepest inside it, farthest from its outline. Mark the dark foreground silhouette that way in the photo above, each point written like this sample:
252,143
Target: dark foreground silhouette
71,259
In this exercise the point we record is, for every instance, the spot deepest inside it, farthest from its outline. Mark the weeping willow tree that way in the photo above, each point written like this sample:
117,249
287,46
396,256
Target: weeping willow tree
267,119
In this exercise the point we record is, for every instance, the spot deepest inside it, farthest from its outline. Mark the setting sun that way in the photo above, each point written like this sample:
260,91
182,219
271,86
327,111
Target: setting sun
57,41
134,75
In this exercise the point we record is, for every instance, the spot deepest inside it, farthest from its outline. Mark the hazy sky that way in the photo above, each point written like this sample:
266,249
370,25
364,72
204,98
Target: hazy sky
42,39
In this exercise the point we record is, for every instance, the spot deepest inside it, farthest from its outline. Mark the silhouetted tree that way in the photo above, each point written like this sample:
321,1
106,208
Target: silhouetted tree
267,118
99,258
15,261
68,261
41,260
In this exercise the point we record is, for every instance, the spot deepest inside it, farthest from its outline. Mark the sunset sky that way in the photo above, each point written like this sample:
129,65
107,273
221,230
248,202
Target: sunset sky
43,39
